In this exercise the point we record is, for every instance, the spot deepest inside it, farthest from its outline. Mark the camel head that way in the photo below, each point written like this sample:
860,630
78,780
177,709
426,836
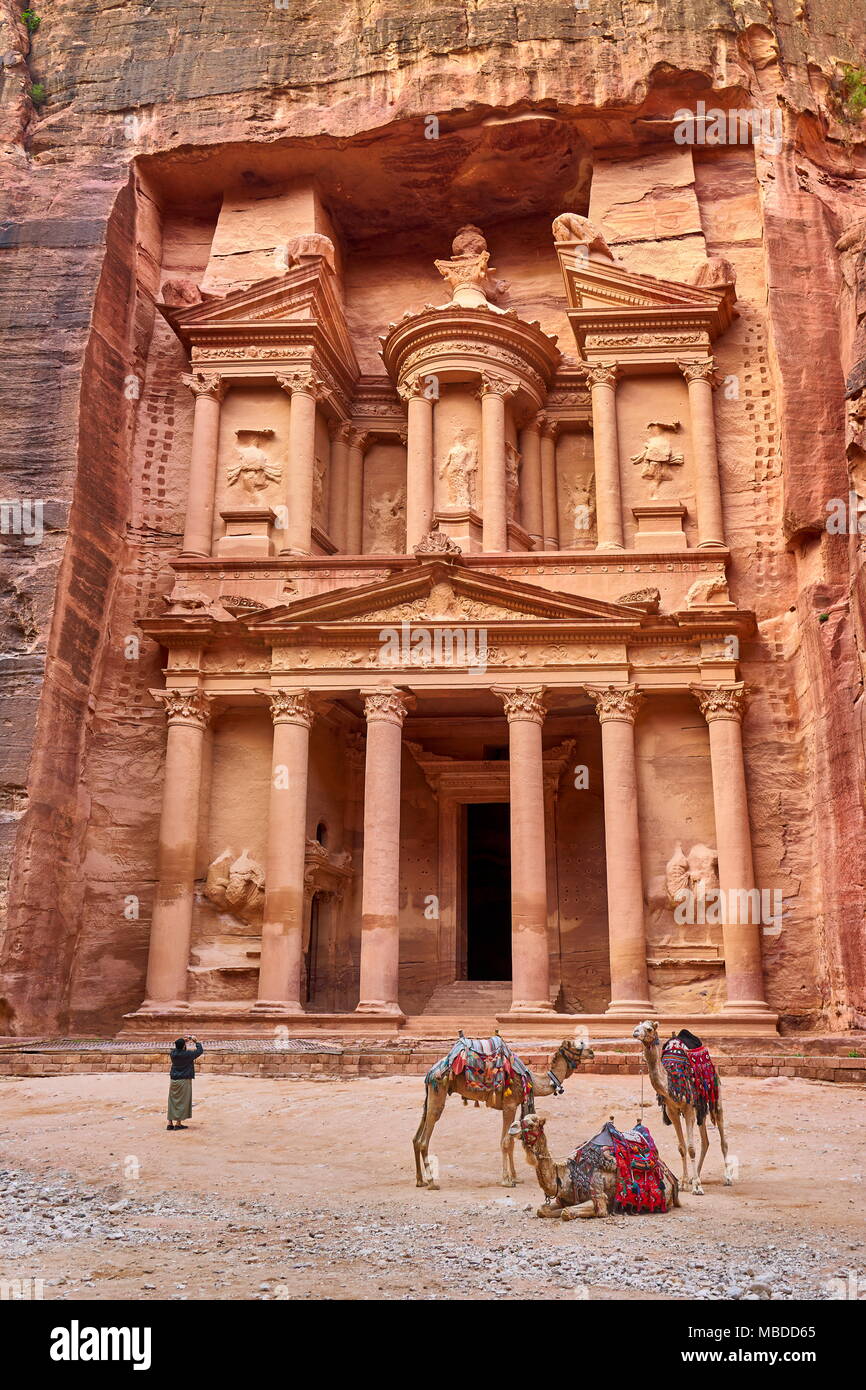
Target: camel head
647,1033
573,1053
531,1133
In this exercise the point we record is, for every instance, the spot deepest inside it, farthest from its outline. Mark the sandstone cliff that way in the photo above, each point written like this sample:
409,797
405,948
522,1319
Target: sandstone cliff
108,115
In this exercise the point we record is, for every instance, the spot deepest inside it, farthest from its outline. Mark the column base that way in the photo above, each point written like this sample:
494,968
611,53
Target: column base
746,1006
531,1006
711,545
375,1006
295,550
610,545
279,1006
627,1008
166,1006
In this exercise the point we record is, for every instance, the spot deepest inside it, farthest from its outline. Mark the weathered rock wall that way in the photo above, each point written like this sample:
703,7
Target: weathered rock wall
145,107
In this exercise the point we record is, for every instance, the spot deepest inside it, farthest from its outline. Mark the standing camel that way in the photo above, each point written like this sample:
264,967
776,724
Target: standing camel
682,1112
563,1063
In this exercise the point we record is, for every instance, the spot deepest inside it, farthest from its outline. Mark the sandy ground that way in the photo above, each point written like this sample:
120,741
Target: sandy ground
305,1190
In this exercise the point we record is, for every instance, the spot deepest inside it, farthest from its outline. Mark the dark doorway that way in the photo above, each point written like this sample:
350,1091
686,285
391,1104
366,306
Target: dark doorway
488,892
312,953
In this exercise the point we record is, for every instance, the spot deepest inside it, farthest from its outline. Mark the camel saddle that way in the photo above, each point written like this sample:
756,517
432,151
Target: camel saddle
486,1065
691,1074
641,1177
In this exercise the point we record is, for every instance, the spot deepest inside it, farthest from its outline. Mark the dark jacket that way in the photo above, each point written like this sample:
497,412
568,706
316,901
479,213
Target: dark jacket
183,1063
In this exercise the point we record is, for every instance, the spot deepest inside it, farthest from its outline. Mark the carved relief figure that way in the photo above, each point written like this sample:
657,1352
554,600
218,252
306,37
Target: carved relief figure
386,516
580,496
319,490
705,589
459,469
236,886
696,875
512,476
571,227
656,458
254,471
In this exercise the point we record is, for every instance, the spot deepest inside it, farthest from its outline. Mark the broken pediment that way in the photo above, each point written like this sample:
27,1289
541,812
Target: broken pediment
611,307
445,593
299,308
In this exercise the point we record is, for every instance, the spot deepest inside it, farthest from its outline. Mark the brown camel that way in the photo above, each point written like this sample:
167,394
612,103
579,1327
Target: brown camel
682,1113
564,1062
557,1182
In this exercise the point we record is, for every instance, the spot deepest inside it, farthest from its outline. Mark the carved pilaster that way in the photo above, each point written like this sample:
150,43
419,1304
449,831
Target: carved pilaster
522,702
616,702
721,701
191,707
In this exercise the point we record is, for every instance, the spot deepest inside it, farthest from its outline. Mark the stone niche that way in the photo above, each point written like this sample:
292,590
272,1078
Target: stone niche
656,465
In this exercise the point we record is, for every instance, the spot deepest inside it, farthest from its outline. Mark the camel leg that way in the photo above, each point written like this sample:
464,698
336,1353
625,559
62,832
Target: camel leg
552,1209
705,1144
720,1126
584,1211
506,1144
676,1121
434,1104
697,1190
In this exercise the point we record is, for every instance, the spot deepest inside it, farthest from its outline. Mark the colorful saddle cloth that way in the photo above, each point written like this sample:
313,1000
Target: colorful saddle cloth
642,1179
692,1077
486,1064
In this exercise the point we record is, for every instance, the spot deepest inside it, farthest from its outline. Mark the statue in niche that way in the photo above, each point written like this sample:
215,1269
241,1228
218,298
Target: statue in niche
657,458
458,470
581,508
512,480
254,471
236,886
571,227
386,515
696,874
319,489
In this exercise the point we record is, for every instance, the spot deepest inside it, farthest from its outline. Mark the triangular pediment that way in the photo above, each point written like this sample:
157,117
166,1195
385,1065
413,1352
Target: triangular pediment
303,302
437,592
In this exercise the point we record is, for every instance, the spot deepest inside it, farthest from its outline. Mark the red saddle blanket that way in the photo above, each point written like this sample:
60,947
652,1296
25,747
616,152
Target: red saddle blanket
692,1076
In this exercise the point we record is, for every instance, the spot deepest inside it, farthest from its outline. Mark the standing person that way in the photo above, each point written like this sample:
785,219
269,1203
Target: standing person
183,1061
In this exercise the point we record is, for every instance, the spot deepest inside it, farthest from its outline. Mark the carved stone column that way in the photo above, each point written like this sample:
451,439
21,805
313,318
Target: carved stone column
358,441
532,514
385,709
188,712
549,431
209,390
617,707
419,463
304,389
723,707
708,496
283,920
494,392
530,962
608,485
337,522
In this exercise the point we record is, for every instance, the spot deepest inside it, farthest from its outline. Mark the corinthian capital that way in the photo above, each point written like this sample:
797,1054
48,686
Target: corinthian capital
413,388
522,702
620,702
496,386
290,707
191,707
548,426
205,384
721,701
304,383
602,374
387,704
699,371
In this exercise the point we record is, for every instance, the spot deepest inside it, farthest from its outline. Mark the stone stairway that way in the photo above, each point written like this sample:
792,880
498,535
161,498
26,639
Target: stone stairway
472,1005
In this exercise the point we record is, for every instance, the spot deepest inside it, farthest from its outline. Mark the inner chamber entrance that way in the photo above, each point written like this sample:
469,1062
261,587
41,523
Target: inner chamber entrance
488,891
